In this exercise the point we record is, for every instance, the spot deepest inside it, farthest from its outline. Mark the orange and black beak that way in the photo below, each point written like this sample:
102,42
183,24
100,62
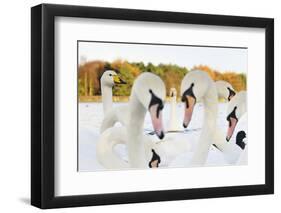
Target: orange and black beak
155,109
118,80
232,120
190,100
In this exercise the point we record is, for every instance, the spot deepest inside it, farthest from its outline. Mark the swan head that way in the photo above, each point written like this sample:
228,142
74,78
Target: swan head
236,108
150,91
194,86
225,90
173,92
110,78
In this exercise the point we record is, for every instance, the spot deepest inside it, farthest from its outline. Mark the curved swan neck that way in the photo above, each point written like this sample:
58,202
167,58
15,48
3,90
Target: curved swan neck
211,106
136,110
135,135
210,102
106,92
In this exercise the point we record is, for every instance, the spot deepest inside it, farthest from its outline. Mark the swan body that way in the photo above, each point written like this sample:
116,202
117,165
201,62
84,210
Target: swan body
198,86
105,148
173,123
167,149
114,115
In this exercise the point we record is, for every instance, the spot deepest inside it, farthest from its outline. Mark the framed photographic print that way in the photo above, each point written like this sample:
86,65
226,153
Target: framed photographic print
140,106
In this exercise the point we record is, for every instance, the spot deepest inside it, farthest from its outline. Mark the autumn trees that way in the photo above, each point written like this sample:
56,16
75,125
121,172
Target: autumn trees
237,80
89,75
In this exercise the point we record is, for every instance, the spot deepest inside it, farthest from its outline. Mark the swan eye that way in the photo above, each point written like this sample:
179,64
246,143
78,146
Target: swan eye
110,74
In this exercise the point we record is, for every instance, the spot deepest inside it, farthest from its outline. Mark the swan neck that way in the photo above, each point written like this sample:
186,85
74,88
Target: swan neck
106,92
137,115
210,102
136,150
210,110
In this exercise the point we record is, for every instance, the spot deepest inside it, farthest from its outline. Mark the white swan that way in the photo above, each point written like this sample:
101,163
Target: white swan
198,86
107,81
147,94
233,144
173,123
225,90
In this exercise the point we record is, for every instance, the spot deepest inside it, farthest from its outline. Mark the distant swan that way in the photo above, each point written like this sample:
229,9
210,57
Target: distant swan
108,79
173,123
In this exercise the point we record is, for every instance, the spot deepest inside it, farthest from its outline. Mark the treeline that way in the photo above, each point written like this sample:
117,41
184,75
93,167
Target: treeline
237,80
89,75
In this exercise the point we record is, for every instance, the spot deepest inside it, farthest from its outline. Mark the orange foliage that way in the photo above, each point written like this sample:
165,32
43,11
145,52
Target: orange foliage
236,80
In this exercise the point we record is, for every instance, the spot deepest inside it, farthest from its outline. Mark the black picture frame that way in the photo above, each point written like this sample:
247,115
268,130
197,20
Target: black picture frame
43,105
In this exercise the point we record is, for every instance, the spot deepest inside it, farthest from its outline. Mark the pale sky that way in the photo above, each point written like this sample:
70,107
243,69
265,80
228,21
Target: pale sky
221,59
